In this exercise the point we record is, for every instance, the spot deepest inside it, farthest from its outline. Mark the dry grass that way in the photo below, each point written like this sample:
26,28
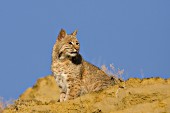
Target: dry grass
113,71
4,103
116,73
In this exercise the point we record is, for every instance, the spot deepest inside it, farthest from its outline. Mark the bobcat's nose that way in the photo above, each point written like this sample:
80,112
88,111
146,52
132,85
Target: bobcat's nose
77,49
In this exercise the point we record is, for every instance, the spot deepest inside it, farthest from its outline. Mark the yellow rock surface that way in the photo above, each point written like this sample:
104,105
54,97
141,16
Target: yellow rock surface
150,95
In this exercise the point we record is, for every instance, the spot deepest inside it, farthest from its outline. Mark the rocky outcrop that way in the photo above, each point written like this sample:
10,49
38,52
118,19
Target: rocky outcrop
150,95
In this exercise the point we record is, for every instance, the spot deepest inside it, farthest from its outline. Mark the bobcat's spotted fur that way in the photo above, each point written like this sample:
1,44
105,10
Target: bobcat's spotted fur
73,74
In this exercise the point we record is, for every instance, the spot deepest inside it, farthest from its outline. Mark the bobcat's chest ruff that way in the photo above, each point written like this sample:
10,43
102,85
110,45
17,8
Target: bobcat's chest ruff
61,79
66,71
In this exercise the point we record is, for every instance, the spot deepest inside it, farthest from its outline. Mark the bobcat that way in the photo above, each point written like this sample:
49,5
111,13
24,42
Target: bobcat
73,74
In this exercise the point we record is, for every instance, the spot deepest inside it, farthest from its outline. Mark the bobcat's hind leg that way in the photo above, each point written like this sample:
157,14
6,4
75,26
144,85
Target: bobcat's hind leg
73,91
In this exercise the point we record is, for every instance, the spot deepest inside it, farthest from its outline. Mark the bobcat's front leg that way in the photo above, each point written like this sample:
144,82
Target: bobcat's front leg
62,97
62,87
62,94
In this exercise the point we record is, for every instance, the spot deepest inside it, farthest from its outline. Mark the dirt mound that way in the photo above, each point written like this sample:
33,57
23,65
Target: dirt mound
137,96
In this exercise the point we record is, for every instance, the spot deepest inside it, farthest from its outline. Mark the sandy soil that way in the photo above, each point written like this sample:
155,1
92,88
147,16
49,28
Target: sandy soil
150,95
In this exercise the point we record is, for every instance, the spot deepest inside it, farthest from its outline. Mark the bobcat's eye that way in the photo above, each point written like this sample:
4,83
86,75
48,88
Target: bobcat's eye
70,43
77,43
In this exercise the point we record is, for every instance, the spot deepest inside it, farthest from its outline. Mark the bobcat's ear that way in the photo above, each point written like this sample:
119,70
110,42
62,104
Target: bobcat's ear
74,33
62,34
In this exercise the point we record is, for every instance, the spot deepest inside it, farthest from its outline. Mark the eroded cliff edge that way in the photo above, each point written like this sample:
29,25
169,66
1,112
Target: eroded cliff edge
151,95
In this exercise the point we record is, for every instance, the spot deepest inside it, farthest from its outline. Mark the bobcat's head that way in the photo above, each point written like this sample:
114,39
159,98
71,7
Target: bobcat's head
68,45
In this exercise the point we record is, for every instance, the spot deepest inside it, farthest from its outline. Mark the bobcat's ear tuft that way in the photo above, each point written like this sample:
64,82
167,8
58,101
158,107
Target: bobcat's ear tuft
74,33
62,34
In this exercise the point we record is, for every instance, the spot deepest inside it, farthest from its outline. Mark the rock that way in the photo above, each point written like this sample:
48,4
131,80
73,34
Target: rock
151,95
44,90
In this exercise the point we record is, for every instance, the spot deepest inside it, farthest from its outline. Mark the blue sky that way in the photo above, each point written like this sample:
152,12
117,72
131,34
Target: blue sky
133,35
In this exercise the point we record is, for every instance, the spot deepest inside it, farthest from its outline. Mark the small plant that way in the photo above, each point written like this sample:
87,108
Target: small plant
112,71
116,74
4,104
